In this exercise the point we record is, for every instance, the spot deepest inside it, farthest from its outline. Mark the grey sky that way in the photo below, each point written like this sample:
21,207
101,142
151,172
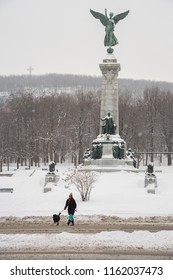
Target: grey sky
56,36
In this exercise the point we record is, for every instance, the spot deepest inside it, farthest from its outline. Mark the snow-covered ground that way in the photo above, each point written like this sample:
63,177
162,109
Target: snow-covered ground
114,194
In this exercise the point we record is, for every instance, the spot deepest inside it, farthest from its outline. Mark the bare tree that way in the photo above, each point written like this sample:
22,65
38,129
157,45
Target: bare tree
165,101
150,106
83,181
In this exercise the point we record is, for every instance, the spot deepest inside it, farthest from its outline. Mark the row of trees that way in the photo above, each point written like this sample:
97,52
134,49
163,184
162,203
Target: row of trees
58,127
40,129
146,123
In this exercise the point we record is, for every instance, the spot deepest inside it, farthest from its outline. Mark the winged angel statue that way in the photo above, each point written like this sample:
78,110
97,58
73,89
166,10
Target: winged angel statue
109,23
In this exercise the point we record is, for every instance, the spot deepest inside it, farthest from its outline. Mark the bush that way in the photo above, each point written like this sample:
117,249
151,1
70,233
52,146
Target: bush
83,181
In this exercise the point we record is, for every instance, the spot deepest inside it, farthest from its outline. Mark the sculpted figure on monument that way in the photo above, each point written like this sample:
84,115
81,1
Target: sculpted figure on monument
115,150
99,150
109,23
87,154
96,150
121,150
118,150
109,127
130,155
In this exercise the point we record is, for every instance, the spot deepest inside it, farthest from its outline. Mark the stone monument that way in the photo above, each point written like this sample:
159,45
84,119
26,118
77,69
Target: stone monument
51,178
109,149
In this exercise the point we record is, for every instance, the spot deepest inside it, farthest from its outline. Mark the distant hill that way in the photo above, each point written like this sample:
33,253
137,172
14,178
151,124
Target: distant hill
70,83
47,81
136,87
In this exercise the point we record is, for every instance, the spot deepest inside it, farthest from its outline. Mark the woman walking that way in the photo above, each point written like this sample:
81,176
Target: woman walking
71,205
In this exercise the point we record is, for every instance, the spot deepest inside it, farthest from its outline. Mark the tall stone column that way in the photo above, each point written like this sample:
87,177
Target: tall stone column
109,95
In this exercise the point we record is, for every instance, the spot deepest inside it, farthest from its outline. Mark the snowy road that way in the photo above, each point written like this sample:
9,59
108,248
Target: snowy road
84,224
103,254
108,238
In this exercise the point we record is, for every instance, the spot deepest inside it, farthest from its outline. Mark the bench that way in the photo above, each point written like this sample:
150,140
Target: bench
6,174
6,190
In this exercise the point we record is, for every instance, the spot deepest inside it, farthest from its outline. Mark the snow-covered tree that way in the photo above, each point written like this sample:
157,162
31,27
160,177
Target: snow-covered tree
83,181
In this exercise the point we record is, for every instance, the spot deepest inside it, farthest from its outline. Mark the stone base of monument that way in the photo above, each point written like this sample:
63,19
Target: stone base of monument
113,166
47,189
109,165
151,189
150,183
111,146
51,178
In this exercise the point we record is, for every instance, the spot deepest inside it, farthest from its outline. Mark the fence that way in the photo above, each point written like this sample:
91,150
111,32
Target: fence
158,158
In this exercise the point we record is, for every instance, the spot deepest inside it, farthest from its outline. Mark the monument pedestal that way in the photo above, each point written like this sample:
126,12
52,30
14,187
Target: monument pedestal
111,145
109,150
109,95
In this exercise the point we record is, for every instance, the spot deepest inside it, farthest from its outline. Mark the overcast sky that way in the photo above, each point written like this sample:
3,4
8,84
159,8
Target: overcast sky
55,36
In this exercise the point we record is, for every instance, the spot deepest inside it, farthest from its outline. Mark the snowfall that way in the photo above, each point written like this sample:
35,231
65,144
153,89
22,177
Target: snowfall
120,194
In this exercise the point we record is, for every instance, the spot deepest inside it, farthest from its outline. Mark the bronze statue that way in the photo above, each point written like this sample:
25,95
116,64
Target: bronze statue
96,150
109,23
109,127
115,150
51,167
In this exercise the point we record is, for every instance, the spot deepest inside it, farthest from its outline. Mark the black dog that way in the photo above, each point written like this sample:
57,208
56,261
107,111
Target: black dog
56,218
